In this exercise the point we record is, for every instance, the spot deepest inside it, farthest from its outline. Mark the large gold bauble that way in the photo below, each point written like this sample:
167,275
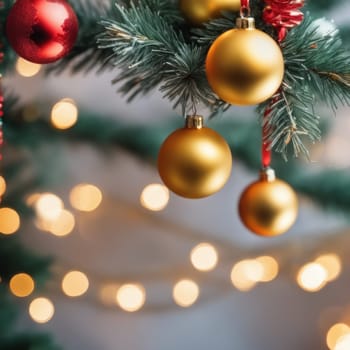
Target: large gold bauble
244,66
200,11
194,162
268,208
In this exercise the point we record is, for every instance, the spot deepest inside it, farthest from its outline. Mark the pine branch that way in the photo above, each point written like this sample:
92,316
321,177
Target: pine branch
317,63
291,121
150,52
316,70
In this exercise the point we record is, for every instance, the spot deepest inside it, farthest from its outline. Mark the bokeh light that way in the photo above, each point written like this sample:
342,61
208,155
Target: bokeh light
343,343
131,297
21,285
48,206
64,114
155,197
270,268
335,333
2,185
41,310
27,69
185,293
312,277
246,273
332,264
85,197
9,221
32,198
75,284
204,257
63,225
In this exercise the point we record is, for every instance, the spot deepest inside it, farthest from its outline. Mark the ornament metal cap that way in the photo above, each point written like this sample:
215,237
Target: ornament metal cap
267,174
245,23
194,122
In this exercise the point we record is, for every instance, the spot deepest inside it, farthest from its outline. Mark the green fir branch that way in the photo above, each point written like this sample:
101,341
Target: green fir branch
318,64
151,53
316,70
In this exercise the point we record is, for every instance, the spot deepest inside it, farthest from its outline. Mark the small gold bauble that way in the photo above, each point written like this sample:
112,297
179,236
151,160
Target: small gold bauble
200,11
268,208
194,161
245,66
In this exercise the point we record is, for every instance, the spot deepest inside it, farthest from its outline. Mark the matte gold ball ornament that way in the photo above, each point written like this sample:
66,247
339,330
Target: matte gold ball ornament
194,161
245,66
200,11
268,207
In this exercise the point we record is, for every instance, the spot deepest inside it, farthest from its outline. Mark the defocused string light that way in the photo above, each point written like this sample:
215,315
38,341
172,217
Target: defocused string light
343,343
41,310
204,257
9,221
27,69
64,114
85,197
21,285
2,185
185,293
75,284
332,264
155,197
131,297
312,277
48,206
335,333
246,273
270,268
63,225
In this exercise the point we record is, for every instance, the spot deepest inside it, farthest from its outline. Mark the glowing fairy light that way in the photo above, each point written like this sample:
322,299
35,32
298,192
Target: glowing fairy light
41,310
204,257
21,285
64,114
85,197
185,293
75,284
155,197
131,297
9,221
312,277
27,69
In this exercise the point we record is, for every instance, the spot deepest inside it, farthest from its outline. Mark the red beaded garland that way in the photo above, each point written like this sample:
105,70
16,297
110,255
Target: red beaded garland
42,31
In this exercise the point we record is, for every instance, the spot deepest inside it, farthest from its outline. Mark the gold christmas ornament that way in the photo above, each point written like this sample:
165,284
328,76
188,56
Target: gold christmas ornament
245,66
200,11
268,207
194,161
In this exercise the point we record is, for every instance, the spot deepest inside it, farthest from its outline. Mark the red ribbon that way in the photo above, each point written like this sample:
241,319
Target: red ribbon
283,15
245,4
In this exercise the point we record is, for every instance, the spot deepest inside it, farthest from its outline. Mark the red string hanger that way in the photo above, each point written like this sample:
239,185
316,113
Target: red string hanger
245,7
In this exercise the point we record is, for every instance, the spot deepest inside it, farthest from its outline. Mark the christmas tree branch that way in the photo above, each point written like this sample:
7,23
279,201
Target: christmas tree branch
150,52
152,47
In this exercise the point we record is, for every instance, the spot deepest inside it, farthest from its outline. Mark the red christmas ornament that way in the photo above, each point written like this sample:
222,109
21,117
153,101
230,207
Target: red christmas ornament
42,31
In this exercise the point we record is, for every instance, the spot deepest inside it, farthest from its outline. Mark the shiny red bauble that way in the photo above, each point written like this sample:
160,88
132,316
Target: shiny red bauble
42,31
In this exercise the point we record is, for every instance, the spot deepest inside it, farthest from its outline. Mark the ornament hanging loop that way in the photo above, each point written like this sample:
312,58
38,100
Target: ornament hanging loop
245,9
